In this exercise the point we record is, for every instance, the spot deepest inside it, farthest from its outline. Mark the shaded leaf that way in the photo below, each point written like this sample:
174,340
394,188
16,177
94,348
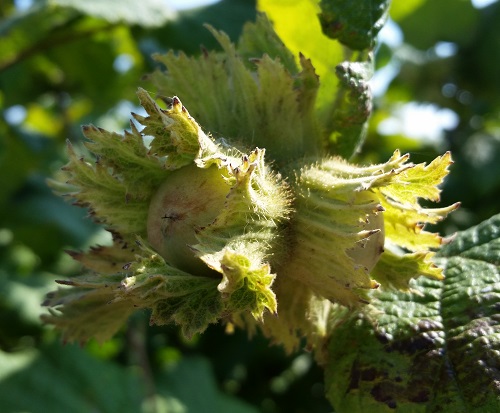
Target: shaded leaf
64,379
192,382
20,31
147,13
17,160
67,379
424,27
354,24
107,259
87,309
260,38
187,33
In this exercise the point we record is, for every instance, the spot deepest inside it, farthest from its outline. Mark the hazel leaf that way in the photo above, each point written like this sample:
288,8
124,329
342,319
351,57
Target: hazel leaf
354,24
434,349
147,14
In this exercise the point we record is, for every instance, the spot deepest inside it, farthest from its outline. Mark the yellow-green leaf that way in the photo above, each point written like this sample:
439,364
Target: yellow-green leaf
421,181
305,36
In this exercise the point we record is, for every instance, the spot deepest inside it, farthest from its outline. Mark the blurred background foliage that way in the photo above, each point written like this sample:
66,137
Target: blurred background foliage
64,63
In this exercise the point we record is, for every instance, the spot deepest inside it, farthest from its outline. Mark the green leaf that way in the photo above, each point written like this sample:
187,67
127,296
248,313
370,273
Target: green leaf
192,383
55,45
187,33
98,44
424,27
305,37
400,9
17,159
20,31
354,23
147,13
435,349
23,296
66,379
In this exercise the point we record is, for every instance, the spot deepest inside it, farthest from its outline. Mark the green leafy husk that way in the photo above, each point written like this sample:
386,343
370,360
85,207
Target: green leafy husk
207,230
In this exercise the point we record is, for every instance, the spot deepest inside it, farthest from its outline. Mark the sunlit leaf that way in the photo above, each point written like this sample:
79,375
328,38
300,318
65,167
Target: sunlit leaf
297,24
436,349
400,9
